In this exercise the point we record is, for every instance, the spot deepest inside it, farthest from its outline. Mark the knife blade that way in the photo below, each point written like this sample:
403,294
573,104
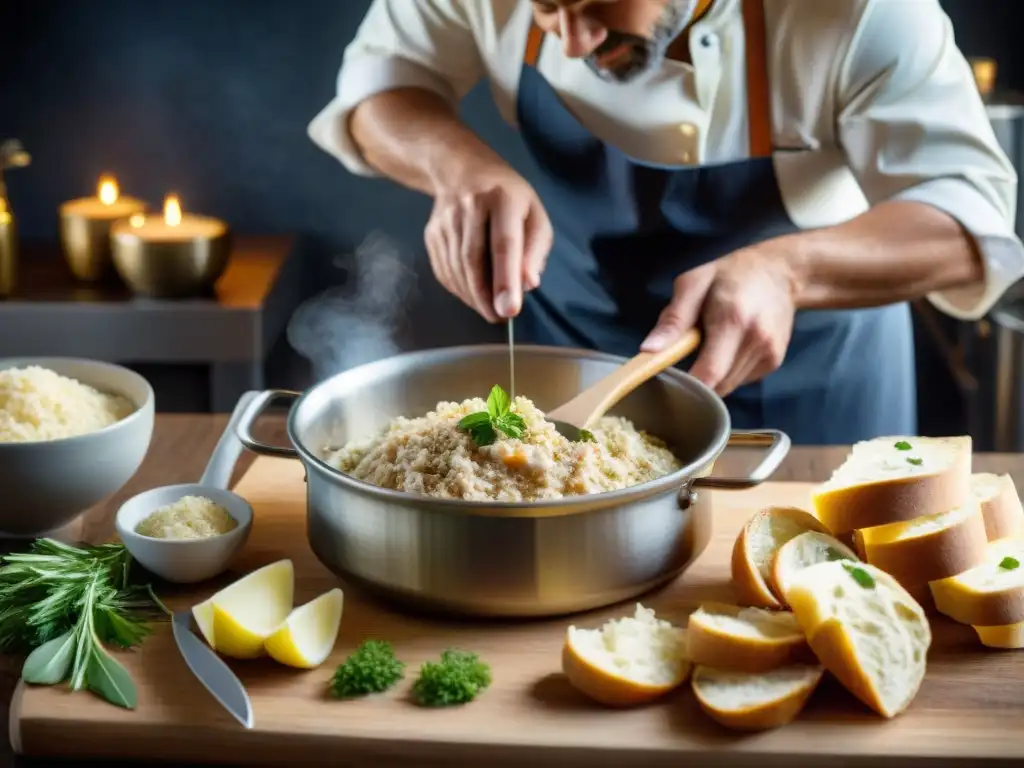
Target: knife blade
211,671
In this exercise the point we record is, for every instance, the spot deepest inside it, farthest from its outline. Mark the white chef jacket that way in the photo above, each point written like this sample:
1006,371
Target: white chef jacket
871,101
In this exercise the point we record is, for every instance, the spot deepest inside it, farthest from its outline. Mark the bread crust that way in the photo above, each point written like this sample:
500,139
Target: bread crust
933,555
1007,637
895,500
750,587
760,717
708,645
607,688
1004,514
984,609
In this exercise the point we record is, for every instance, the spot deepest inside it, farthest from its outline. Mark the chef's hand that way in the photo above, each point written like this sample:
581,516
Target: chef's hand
520,238
745,301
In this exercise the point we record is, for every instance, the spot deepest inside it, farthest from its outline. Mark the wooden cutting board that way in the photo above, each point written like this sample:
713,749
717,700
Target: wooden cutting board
970,707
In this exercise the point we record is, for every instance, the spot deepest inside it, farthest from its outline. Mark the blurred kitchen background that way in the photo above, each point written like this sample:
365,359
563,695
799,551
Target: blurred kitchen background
211,98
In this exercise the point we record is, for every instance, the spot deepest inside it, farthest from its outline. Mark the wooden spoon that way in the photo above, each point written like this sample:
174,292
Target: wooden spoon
593,402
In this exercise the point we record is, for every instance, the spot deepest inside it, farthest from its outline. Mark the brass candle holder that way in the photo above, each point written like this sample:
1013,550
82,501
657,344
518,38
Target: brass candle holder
171,256
85,229
12,155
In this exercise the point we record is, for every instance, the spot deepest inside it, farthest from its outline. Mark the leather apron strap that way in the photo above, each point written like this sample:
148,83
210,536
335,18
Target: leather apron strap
759,110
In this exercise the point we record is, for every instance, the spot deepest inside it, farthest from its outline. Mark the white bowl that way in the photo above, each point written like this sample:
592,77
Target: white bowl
183,561
49,483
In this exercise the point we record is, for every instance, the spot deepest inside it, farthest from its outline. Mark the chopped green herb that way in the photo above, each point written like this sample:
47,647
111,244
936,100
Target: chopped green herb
484,426
456,679
859,575
372,668
65,602
586,436
1009,563
834,554
915,461
903,445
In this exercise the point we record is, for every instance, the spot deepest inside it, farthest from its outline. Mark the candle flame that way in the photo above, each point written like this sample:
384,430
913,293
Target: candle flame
107,190
172,211
137,220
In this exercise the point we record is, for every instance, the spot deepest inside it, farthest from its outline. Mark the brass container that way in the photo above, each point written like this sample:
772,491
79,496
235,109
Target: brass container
163,268
8,251
85,235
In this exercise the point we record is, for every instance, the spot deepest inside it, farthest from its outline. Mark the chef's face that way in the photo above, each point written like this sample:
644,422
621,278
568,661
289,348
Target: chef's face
618,39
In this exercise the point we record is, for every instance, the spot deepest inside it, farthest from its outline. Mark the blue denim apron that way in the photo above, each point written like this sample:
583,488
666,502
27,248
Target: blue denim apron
624,229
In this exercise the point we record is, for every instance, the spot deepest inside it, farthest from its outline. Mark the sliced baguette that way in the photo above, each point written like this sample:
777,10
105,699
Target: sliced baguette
928,548
865,629
755,702
752,554
883,481
991,594
803,551
1007,637
745,639
1000,504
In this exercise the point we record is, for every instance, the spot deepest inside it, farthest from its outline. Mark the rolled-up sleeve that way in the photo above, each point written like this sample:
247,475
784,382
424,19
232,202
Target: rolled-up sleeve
399,44
914,127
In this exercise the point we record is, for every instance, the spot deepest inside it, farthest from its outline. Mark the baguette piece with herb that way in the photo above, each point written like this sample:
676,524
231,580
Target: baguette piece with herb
754,550
991,594
865,629
895,479
1000,504
928,548
803,551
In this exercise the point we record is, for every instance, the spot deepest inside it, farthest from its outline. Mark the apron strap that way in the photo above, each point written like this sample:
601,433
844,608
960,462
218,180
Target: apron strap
759,111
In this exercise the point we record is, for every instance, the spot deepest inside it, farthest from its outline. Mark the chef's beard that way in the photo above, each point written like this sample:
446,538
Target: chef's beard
624,56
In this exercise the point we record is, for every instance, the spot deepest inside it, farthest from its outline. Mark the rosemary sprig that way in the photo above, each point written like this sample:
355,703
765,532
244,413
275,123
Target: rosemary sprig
66,602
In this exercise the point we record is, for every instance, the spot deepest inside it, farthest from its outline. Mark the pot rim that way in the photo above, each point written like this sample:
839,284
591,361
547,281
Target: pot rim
567,504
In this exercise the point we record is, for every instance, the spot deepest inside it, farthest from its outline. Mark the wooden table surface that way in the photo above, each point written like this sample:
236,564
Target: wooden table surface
182,443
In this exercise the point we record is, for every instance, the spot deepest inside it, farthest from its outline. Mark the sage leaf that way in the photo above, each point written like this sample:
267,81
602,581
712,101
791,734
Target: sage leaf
49,663
498,402
106,677
475,420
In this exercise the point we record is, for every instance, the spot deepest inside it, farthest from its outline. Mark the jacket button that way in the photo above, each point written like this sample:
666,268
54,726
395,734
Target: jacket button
707,41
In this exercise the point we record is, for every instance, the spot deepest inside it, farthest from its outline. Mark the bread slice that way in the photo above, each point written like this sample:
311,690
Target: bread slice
755,702
1007,637
1000,504
928,548
745,639
752,554
895,479
865,629
803,551
991,594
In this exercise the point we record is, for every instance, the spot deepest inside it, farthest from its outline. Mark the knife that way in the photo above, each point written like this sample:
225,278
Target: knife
211,670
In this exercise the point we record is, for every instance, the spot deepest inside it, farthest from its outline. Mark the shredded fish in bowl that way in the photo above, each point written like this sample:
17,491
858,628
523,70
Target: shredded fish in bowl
433,455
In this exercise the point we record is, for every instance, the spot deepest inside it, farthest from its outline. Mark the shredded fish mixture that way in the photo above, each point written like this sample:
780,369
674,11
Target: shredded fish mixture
431,455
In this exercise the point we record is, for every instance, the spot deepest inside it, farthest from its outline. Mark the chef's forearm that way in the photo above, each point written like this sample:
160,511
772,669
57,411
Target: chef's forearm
414,137
897,251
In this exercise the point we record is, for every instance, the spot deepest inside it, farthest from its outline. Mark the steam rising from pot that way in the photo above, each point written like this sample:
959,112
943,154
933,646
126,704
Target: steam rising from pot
357,322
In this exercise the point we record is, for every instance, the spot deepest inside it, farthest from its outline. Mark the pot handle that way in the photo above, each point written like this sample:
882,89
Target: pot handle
777,443
253,412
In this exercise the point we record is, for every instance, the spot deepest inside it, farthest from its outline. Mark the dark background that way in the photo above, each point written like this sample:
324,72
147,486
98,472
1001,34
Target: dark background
211,99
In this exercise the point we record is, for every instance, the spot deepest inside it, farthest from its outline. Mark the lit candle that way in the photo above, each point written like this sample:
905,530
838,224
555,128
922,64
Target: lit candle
174,255
85,228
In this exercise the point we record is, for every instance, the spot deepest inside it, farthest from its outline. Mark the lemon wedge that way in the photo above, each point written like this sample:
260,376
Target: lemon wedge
307,636
239,618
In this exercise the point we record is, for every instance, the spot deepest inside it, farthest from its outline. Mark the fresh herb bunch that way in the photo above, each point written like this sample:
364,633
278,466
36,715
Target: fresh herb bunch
456,679
483,426
372,668
66,602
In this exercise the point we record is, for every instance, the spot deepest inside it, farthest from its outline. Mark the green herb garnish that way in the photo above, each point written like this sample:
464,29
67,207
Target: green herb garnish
66,602
372,668
483,426
586,436
914,461
903,445
456,679
859,575
834,554
1009,563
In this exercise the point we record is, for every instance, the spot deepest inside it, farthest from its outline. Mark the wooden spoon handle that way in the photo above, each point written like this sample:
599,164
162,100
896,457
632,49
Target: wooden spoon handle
593,402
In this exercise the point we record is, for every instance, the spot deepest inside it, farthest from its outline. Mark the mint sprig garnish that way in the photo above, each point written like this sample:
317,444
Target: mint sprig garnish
484,426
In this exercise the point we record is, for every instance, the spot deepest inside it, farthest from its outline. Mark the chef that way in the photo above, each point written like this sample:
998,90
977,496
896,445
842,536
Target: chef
784,174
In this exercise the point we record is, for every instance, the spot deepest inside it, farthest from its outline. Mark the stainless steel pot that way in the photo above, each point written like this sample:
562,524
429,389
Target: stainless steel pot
508,559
